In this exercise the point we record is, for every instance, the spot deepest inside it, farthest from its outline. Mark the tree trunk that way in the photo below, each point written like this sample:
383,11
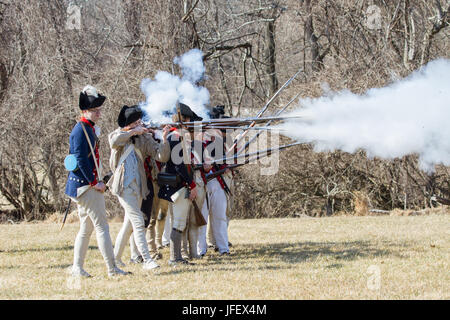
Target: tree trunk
442,21
57,15
270,56
315,64
132,17
3,81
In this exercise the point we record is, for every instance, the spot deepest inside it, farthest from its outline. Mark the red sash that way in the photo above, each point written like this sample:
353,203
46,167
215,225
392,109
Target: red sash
223,166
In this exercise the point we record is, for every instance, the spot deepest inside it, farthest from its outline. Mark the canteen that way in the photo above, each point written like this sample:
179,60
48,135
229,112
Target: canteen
70,162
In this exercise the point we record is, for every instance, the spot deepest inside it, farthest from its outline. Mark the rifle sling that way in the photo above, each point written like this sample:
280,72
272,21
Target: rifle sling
92,150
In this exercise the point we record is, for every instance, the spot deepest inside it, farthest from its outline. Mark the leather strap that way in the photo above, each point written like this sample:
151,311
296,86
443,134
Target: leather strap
125,155
92,150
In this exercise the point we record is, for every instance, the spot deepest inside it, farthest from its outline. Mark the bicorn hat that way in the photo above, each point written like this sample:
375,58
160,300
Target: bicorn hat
187,112
218,112
129,115
89,98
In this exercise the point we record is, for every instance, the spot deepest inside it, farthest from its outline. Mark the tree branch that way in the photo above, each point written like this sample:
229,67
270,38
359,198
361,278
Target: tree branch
246,45
186,16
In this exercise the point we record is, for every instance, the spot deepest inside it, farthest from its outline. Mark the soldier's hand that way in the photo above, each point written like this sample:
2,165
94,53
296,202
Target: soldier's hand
166,131
193,194
207,167
100,187
139,130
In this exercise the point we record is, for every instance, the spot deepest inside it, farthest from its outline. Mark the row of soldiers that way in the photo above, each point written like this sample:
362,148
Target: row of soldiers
150,184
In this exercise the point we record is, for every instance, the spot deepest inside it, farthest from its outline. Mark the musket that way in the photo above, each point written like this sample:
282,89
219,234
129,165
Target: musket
277,93
268,124
240,128
233,166
221,122
241,136
247,155
210,176
65,214
199,219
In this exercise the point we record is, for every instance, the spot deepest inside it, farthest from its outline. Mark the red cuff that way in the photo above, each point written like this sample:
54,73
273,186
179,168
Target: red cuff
192,185
93,183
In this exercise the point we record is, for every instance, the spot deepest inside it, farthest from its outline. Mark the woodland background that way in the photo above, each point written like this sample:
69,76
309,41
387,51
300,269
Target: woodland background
250,49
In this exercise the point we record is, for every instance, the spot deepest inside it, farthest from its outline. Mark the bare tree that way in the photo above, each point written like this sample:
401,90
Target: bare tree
249,48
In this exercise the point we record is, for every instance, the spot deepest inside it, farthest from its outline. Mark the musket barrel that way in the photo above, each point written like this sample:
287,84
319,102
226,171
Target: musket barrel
240,128
268,124
258,154
222,122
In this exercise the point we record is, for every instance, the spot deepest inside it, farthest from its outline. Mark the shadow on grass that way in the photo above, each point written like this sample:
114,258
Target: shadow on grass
250,257
63,248
307,251
59,266
268,256
224,266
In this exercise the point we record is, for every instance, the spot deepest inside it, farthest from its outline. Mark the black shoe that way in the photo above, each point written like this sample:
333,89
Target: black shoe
184,262
137,260
156,256
230,244
226,253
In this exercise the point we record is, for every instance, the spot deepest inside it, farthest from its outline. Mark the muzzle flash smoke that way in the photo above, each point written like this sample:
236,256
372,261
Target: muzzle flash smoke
409,116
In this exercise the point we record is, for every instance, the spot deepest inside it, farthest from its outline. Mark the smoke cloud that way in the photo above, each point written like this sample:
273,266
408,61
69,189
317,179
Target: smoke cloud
166,89
410,116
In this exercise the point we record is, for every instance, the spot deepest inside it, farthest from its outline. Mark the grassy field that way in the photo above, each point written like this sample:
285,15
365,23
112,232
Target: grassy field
345,257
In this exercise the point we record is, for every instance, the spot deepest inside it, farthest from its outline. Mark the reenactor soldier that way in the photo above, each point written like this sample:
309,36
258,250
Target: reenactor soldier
181,186
159,210
215,208
85,187
155,211
130,144
146,208
220,196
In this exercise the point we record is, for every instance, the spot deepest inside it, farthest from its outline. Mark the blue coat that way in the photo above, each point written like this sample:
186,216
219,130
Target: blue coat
78,146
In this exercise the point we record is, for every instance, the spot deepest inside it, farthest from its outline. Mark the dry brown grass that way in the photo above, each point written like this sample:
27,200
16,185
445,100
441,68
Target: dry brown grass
360,203
303,258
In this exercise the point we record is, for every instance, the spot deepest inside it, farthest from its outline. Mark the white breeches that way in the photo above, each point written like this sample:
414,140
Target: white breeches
92,213
133,223
217,218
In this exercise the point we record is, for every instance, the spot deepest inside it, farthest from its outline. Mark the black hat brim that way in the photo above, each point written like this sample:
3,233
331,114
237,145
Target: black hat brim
186,111
89,102
128,115
98,101
195,117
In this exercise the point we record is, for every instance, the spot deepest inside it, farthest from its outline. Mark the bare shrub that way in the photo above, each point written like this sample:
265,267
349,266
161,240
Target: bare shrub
250,49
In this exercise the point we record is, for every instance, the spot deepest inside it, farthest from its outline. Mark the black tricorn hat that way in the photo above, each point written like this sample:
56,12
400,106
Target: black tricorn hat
89,101
129,115
218,112
187,112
